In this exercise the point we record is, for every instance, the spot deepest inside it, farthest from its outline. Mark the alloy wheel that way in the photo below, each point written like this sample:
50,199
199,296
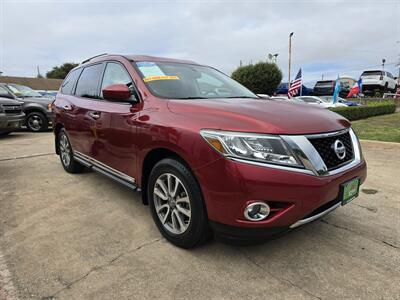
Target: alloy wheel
35,122
172,203
65,150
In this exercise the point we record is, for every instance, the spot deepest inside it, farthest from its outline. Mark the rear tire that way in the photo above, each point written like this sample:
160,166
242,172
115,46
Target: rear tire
177,205
36,122
66,154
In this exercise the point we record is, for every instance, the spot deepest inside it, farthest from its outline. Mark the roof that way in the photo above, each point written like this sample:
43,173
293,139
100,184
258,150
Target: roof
34,83
102,57
157,58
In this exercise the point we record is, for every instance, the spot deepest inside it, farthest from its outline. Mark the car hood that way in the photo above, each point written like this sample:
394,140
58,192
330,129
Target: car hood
259,116
7,101
39,100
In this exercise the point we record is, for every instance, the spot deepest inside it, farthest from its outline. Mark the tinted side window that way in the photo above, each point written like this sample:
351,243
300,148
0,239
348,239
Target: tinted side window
115,74
89,81
69,82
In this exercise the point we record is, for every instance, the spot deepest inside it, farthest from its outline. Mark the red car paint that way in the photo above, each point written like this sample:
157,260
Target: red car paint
126,133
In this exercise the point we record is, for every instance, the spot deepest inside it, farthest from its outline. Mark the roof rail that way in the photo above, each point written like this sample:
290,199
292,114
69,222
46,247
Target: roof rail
89,59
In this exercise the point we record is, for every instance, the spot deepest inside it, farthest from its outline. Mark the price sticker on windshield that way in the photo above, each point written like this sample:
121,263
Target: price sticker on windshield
154,78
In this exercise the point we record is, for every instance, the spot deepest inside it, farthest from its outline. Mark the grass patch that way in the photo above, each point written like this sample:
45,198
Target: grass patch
384,128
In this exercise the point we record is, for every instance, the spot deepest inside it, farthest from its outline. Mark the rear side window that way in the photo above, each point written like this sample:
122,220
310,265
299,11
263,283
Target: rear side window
88,82
69,82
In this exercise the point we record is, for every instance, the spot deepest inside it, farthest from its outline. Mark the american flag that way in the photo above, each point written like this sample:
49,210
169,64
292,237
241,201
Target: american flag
295,85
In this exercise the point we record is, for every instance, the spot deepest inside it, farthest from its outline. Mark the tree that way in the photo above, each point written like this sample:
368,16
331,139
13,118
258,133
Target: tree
60,72
260,78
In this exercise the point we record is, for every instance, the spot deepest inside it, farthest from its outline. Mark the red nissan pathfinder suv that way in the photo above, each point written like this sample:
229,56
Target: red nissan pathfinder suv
207,154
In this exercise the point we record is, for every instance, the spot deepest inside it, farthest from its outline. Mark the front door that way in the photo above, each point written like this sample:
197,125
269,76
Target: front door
114,135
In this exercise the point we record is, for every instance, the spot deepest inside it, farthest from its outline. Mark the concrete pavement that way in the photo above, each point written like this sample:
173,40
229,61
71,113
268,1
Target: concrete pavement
84,236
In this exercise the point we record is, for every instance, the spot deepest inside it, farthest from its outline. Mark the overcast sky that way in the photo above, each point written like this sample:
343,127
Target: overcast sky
330,37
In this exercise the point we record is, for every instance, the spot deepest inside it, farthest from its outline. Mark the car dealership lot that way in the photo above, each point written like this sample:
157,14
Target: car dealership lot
84,236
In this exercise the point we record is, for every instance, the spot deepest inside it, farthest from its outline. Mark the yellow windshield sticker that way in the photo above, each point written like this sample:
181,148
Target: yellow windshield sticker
153,78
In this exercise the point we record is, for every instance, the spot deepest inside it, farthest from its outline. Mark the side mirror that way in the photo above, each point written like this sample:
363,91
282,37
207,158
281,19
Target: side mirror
116,92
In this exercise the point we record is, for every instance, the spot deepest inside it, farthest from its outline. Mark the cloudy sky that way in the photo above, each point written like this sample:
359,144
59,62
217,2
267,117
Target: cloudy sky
330,37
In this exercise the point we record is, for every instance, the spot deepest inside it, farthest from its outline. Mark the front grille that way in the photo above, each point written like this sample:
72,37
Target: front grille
324,146
12,109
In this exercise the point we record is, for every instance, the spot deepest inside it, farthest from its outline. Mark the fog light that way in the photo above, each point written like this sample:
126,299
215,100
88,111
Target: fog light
256,211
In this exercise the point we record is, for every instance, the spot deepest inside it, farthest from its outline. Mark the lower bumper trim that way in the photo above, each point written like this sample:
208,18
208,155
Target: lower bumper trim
313,218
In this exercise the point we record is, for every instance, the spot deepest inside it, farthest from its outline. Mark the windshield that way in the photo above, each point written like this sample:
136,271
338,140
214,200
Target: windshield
23,91
186,81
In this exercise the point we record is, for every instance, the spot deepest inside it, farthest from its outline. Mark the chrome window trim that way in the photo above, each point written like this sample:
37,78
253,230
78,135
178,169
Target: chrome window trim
91,161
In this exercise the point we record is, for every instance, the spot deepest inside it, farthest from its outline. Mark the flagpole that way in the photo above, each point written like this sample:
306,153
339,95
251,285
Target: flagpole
290,57
301,86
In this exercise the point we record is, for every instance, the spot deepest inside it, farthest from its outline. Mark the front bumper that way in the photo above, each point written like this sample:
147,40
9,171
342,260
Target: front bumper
11,122
229,186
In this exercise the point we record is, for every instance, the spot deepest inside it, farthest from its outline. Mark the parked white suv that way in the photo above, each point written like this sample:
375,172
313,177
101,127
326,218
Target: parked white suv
377,79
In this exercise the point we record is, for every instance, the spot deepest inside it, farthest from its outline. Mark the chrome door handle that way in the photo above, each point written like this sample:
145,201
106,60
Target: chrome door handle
94,114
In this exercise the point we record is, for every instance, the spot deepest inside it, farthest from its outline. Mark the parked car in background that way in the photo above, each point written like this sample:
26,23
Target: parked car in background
207,157
37,108
318,101
346,83
324,87
285,98
340,100
378,80
283,90
11,115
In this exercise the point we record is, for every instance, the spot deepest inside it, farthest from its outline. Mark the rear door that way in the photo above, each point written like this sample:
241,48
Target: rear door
84,126
114,145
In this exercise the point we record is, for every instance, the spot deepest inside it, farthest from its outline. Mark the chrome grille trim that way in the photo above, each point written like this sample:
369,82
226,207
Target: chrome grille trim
310,157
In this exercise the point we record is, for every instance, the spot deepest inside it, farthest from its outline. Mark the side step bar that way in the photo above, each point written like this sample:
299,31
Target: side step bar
317,216
105,170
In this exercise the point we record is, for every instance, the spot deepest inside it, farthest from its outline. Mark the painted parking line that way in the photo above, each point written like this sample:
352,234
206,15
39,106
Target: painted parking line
26,156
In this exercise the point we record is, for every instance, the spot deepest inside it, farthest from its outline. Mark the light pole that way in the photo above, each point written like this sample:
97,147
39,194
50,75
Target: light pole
383,63
290,57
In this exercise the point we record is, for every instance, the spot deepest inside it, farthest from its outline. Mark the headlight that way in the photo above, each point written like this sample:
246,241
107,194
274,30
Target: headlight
269,149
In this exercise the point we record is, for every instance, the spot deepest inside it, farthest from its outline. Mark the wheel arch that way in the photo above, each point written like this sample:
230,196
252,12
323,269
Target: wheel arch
33,108
150,160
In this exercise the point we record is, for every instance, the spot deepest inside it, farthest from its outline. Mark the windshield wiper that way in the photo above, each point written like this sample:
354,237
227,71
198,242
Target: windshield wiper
242,97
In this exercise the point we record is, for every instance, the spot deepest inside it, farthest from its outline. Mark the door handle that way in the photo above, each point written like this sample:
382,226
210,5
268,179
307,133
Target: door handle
66,107
94,115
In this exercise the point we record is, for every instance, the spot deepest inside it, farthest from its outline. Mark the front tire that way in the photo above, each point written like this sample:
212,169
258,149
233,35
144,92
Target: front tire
66,154
177,204
36,122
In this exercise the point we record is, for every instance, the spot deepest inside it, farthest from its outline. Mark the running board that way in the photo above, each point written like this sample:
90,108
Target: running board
97,167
